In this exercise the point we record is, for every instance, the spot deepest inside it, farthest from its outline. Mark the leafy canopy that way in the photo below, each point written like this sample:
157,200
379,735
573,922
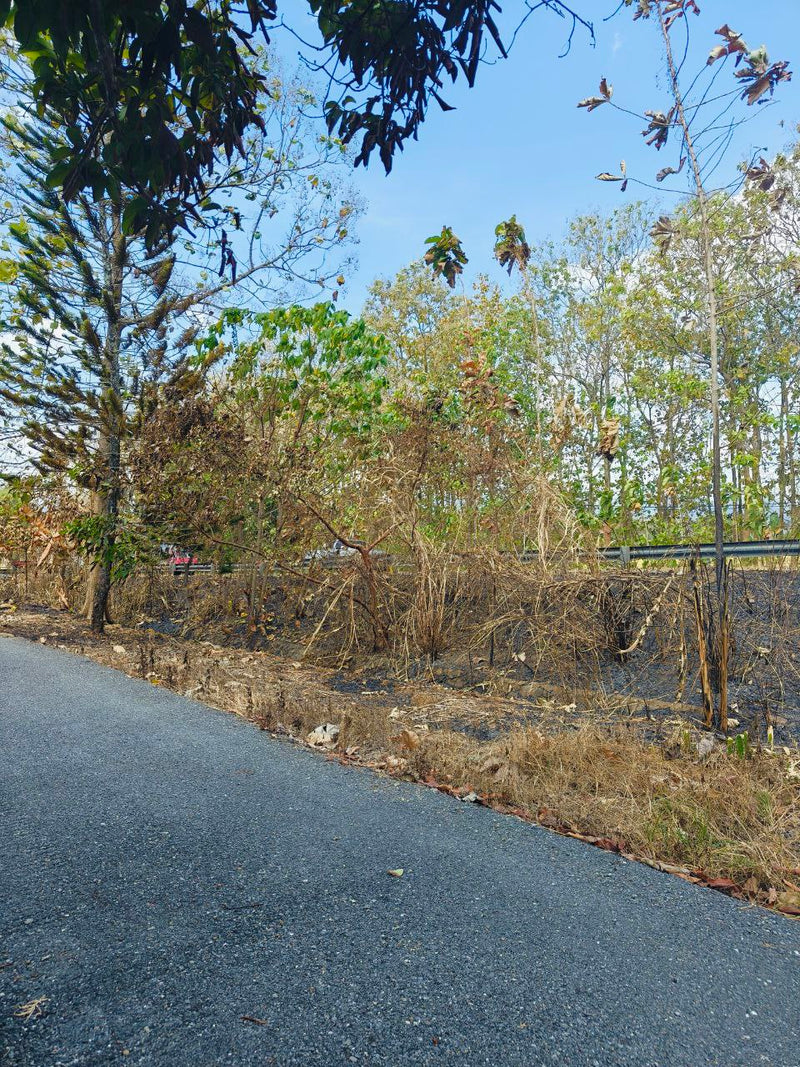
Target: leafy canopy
151,92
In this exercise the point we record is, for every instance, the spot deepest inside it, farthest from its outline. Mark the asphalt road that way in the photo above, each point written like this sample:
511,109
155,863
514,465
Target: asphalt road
167,871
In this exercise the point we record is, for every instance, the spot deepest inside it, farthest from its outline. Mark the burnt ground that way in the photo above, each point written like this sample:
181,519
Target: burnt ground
657,683
645,689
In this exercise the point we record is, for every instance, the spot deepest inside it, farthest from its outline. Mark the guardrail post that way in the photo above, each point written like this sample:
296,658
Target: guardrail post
625,555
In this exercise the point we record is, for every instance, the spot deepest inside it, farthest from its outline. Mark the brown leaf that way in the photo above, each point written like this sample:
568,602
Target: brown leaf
407,739
723,884
545,817
666,171
591,102
735,43
608,843
789,901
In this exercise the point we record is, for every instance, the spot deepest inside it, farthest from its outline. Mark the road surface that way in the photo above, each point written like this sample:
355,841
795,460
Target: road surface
185,890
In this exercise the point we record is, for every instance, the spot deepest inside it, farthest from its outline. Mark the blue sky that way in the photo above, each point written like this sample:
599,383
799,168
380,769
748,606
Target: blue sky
517,143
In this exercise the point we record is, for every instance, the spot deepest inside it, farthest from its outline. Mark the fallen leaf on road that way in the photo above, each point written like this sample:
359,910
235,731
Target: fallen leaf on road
545,817
721,883
393,763
789,903
397,872
324,736
31,1010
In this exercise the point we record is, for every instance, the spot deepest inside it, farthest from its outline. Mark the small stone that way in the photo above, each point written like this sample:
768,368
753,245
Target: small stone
705,746
324,736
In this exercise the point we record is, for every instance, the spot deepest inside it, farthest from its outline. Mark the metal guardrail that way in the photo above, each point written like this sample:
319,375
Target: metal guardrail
624,554
180,569
730,549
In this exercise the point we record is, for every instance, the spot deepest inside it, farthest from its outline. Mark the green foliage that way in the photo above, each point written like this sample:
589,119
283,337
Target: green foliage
151,93
315,361
739,745
107,542
147,93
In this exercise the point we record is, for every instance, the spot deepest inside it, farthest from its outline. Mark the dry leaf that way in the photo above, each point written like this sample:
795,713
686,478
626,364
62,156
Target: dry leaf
31,1010
407,739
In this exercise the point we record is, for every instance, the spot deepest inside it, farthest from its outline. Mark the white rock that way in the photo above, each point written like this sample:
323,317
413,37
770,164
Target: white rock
705,746
324,736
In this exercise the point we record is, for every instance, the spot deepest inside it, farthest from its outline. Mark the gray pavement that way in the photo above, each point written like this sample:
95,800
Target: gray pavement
168,874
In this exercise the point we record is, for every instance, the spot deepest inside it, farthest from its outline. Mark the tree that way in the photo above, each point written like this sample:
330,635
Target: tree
698,138
276,448
102,320
151,93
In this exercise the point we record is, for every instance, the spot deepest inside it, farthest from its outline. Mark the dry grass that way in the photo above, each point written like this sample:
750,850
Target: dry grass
726,816
33,1009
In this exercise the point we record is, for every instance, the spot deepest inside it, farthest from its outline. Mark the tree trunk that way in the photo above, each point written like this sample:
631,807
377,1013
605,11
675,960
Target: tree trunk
98,584
782,438
255,569
105,498
719,622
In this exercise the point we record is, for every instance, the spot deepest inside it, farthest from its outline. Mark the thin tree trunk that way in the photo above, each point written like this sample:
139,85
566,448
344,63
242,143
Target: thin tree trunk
782,441
713,343
255,584
106,495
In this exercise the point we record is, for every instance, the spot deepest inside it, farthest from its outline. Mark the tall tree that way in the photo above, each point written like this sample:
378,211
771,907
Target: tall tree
101,319
152,93
695,116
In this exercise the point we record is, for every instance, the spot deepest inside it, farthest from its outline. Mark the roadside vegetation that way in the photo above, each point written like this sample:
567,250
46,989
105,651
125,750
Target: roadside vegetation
402,514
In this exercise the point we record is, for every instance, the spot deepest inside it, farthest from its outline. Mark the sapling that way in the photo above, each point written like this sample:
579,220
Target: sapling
703,123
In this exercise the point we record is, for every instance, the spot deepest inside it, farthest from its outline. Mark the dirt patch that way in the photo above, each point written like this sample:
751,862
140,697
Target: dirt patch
665,793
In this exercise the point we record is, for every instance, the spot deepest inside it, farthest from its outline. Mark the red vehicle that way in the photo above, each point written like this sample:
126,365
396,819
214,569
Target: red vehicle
180,559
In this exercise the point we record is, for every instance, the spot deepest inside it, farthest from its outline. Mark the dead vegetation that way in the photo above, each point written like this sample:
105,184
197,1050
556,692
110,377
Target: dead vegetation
501,662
